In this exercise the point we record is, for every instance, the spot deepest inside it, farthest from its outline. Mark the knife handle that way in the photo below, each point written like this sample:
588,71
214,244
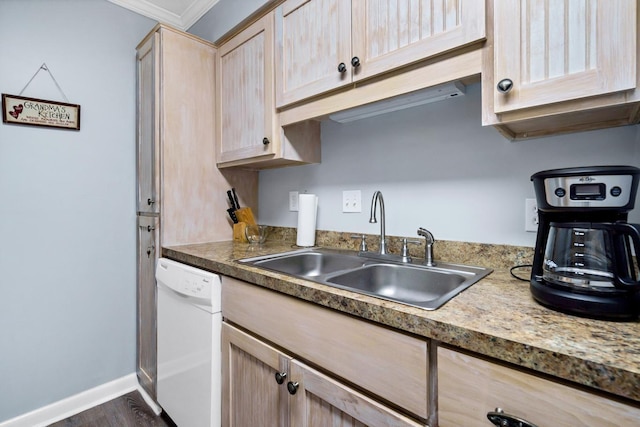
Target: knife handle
232,215
230,196
235,198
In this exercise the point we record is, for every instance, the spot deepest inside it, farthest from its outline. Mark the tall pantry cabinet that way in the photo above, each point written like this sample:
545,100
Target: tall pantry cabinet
181,196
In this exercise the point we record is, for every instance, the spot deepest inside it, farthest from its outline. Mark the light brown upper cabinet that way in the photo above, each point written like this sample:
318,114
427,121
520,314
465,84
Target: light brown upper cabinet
245,109
557,57
322,45
247,128
557,51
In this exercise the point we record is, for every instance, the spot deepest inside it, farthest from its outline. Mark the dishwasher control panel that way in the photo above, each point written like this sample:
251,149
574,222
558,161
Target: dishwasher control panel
195,286
189,282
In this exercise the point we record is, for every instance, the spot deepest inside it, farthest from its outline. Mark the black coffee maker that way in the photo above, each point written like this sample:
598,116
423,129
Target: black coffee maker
583,262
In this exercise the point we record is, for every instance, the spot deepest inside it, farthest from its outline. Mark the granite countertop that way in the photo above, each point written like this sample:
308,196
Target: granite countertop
496,317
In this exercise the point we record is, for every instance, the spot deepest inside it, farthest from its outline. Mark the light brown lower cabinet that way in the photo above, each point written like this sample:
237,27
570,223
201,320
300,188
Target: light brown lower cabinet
470,387
251,396
333,369
263,386
291,363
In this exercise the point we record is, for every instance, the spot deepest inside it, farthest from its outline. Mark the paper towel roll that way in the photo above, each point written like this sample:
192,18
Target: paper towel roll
307,209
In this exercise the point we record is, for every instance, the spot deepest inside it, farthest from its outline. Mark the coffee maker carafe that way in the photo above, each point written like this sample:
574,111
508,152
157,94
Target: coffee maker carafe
583,262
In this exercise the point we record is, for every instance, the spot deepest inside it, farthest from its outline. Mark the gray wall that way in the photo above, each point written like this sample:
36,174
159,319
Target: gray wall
67,203
438,168
223,16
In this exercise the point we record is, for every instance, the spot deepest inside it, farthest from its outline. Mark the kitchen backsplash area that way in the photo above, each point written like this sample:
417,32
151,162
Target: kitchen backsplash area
437,168
478,254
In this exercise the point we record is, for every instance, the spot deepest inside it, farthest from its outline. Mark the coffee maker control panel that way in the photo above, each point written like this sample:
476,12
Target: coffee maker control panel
588,191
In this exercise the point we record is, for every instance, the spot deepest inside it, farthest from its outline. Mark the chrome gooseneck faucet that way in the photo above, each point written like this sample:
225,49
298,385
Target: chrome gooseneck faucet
377,197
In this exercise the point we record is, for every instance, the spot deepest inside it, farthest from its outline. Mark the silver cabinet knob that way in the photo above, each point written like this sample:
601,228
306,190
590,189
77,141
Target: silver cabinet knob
342,67
355,61
505,85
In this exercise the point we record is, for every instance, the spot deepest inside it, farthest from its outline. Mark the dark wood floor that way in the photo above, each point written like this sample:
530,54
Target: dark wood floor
129,410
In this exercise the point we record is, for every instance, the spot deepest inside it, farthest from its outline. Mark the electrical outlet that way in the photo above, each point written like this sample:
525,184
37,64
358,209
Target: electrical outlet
293,201
352,201
530,215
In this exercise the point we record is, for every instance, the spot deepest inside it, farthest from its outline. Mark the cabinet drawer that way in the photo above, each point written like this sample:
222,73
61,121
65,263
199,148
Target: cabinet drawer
384,362
469,387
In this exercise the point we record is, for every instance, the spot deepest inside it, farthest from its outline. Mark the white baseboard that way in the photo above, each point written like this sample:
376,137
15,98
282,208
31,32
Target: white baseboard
75,404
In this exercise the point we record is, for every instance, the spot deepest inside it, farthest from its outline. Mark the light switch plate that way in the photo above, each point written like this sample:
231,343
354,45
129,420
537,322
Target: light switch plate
293,201
352,201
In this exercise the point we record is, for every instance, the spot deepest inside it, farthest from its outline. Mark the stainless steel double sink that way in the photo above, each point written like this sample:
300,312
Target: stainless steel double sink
408,283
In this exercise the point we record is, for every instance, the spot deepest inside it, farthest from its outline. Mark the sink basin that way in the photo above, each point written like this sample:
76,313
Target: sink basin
403,283
408,283
311,264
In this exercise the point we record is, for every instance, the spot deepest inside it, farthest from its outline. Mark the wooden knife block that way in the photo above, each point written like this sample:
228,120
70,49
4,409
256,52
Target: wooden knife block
245,215
238,232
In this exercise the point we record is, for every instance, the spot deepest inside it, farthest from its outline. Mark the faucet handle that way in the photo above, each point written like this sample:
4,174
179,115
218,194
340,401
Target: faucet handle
405,249
363,242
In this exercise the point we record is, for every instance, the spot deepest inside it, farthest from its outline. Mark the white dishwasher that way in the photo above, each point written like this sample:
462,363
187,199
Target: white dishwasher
189,355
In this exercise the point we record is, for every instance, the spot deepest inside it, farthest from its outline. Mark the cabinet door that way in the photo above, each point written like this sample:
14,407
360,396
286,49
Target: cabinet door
313,37
378,359
251,394
556,51
148,252
388,34
246,111
469,388
320,401
147,156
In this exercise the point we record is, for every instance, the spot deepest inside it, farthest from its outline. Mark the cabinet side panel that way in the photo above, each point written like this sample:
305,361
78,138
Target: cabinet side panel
193,189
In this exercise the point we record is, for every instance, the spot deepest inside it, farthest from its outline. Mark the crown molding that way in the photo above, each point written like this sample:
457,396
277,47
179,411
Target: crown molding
182,20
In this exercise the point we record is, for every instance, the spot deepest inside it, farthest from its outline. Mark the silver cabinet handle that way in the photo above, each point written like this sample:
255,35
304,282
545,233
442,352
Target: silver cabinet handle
150,201
342,67
505,85
500,419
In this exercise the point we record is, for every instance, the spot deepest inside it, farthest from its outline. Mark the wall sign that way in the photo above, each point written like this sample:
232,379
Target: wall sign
38,112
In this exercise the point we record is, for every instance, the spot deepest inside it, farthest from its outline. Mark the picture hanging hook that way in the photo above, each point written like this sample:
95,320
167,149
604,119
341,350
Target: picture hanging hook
45,68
